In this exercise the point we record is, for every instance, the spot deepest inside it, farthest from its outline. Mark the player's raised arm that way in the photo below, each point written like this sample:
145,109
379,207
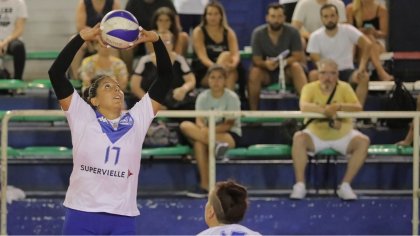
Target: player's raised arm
57,73
162,84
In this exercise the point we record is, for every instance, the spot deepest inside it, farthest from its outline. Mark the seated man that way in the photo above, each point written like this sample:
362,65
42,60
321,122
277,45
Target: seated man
225,208
306,16
268,41
228,130
334,133
336,41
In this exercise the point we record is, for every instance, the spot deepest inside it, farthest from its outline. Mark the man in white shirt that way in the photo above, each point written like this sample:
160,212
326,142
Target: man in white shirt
225,208
306,16
336,41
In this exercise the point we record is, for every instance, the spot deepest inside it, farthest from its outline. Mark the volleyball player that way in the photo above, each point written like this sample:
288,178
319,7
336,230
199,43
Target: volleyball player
107,142
225,208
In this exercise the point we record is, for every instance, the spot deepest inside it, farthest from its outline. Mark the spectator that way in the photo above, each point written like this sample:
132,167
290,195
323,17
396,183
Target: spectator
336,41
190,12
225,208
164,21
306,15
143,10
334,133
215,42
182,83
103,63
268,41
228,130
88,14
371,18
13,15
408,140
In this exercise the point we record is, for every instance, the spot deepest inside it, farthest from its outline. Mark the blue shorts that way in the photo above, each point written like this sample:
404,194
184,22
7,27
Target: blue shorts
97,223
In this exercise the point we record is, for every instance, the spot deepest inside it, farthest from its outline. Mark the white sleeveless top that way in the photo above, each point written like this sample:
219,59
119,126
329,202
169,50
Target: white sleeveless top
106,161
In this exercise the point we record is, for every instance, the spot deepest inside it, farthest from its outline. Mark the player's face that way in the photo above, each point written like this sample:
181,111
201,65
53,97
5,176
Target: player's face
213,16
163,22
329,18
217,81
275,18
328,76
109,94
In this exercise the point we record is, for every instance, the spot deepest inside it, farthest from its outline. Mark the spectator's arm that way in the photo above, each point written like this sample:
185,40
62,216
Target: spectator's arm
297,56
135,86
189,84
225,126
116,5
17,31
233,47
311,107
315,57
382,32
81,16
364,45
349,14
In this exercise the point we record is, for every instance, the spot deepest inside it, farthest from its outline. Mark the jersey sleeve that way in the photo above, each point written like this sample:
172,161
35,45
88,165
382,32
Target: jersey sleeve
142,111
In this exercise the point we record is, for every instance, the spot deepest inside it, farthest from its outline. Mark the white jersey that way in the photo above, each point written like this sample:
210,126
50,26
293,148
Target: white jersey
338,48
229,230
10,12
106,161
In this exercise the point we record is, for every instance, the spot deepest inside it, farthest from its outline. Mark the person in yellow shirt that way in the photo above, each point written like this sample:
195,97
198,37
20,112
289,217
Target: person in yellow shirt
331,132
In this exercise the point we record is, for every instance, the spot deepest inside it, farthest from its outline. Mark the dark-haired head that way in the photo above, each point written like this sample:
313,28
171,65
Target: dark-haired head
92,92
219,7
229,201
216,67
275,6
165,11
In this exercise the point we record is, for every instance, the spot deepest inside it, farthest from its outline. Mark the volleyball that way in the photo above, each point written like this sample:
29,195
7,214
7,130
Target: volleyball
119,29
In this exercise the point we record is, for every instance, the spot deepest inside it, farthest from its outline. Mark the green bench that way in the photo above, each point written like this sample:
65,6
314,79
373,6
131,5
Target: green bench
261,151
34,118
13,84
45,152
166,152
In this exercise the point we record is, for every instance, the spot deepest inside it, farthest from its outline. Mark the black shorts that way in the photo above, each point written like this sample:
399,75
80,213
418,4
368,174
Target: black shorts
345,75
236,138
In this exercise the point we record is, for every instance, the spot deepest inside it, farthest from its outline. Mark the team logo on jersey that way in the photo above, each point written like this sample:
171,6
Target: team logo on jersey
114,134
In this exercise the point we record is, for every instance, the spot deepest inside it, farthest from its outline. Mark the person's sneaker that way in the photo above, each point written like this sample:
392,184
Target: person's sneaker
299,191
220,150
346,193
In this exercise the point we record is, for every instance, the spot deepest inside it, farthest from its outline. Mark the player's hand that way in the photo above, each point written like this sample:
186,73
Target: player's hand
92,34
146,36
271,64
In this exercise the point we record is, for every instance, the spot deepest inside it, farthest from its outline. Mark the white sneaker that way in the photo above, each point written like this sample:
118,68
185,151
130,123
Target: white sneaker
299,191
345,192
220,150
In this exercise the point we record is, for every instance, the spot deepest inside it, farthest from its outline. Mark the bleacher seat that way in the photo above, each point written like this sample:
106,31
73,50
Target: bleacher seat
45,152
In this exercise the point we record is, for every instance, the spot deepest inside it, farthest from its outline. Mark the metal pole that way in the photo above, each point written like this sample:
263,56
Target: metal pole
212,158
415,220
4,126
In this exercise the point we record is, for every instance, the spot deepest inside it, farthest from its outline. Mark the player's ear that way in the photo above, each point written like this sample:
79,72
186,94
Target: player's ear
94,102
